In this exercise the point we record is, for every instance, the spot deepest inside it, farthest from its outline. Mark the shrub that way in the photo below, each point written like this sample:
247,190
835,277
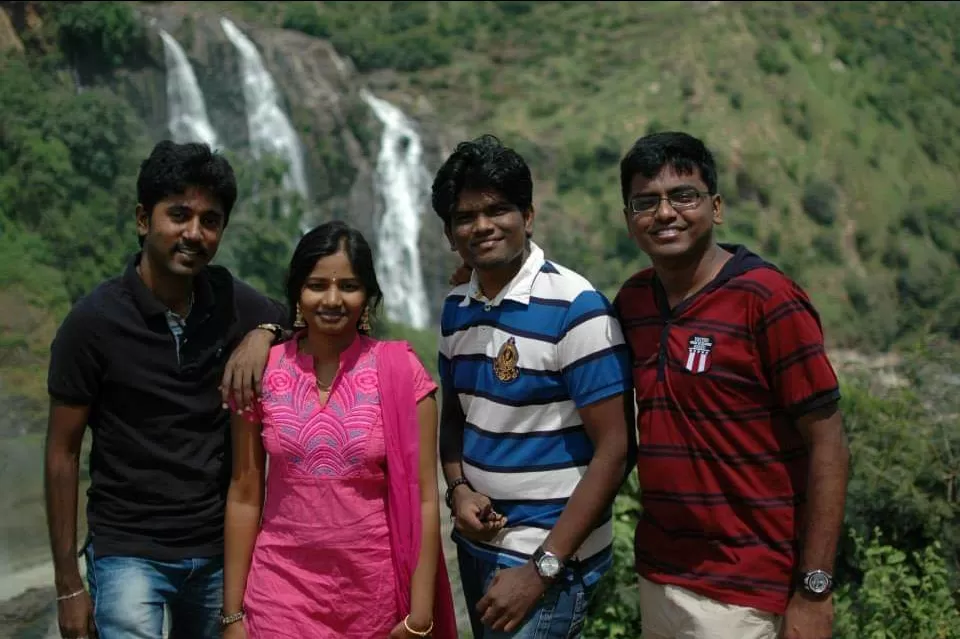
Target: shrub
820,202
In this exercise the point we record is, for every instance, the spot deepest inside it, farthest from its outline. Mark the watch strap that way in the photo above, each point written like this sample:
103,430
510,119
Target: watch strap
276,329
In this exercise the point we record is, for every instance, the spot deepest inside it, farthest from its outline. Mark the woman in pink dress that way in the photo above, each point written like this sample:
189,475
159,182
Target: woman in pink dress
338,537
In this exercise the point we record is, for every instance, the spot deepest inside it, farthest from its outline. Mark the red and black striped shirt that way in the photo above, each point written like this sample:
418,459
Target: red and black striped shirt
720,380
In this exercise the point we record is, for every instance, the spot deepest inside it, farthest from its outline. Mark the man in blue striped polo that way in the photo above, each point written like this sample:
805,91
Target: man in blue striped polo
537,407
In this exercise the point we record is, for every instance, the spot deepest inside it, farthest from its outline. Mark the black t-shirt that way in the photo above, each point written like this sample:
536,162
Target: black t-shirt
160,460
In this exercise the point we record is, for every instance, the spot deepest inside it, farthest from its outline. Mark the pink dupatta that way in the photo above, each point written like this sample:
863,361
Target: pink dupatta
402,436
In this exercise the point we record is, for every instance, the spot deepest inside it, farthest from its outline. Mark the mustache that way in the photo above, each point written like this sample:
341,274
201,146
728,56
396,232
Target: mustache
193,248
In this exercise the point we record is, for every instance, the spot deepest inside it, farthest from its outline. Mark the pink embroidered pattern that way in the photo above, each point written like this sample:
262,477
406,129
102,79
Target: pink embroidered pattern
342,438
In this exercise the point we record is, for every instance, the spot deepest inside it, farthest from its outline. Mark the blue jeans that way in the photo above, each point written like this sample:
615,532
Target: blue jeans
560,614
130,595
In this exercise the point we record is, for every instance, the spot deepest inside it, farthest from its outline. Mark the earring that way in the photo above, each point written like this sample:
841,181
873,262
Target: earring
298,320
364,325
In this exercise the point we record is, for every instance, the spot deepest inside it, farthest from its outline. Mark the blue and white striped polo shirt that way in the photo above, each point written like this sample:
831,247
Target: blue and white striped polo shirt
522,364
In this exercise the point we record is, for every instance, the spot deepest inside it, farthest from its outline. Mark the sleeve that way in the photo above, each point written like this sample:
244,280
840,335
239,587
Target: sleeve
791,345
423,383
76,367
443,362
594,358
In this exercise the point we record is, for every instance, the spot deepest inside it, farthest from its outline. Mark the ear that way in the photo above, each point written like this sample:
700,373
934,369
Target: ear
528,217
143,221
717,209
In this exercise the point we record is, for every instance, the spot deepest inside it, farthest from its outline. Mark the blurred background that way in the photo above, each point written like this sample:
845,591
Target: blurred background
836,127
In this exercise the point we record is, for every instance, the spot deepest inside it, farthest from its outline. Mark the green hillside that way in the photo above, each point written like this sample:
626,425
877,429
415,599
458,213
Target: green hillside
837,126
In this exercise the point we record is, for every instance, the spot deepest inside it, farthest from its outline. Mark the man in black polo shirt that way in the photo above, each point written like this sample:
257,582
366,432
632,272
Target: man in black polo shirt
140,360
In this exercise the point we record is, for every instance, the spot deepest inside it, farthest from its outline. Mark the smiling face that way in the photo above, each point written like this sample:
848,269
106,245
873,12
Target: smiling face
671,216
488,231
333,296
182,233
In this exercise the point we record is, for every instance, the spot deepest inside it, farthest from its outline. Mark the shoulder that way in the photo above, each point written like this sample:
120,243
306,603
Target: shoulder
224,281
558,285
557,282
769,284
642,279
101,302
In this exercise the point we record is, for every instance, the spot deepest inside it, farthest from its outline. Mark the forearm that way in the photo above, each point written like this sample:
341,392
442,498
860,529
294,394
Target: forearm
826,498
240,534
592,496
62,482
451,442
423,584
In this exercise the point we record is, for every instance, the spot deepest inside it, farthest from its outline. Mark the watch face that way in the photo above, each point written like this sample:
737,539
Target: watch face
549,566
818,582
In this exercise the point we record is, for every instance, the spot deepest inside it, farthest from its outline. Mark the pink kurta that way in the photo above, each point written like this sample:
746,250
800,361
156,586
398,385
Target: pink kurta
322,567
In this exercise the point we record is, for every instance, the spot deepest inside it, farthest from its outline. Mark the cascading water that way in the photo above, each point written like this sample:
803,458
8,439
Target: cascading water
402,183
187,113
269,128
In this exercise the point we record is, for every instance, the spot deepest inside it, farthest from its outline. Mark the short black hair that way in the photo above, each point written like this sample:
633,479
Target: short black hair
481,164
652,152
324,240
172,168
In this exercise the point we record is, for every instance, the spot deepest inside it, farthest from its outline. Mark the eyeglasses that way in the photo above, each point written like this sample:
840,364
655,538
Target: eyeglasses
680,200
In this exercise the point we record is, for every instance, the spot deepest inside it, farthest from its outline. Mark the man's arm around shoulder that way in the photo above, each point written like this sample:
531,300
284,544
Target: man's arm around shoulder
266,322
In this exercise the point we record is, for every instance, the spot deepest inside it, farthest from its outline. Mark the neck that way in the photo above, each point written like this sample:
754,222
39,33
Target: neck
683,277
493,280
326,349
174,291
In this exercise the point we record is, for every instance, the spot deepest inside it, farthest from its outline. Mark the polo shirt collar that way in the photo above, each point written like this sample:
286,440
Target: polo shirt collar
517,289
147,302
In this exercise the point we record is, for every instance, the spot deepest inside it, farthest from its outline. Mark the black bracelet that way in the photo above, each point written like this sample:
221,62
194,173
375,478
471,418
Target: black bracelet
456,482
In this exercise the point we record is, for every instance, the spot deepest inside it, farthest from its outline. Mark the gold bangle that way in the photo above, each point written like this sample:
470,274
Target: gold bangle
419,633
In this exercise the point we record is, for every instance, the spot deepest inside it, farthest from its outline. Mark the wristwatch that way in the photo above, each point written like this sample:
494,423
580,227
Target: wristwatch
548,564
817,582
448,497
276,329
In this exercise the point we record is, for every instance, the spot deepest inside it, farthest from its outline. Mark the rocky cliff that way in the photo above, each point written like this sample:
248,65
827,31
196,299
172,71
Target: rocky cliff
321,89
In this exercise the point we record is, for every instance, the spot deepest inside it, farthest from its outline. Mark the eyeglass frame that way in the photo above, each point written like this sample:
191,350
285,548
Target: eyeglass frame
701,195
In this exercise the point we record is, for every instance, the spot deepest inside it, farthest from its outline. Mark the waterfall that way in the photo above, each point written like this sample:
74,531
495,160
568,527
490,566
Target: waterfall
402,184
187,115
268,126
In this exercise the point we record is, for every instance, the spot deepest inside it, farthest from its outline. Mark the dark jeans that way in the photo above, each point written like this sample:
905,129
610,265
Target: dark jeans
130,596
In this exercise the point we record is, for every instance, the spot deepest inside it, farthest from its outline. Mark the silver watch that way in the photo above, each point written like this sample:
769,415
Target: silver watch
548,564
817,582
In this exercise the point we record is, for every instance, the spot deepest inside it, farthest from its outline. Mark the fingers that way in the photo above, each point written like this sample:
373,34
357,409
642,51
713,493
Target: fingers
250,383
237,388
468,520
225,384
257,388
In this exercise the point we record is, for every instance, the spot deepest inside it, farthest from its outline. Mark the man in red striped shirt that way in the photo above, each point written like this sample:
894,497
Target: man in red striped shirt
743,461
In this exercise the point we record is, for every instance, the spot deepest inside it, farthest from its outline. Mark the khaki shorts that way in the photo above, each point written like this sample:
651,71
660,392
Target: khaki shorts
671,612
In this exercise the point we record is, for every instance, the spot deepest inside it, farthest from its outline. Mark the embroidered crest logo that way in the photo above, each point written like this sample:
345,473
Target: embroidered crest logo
698,353
505,366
